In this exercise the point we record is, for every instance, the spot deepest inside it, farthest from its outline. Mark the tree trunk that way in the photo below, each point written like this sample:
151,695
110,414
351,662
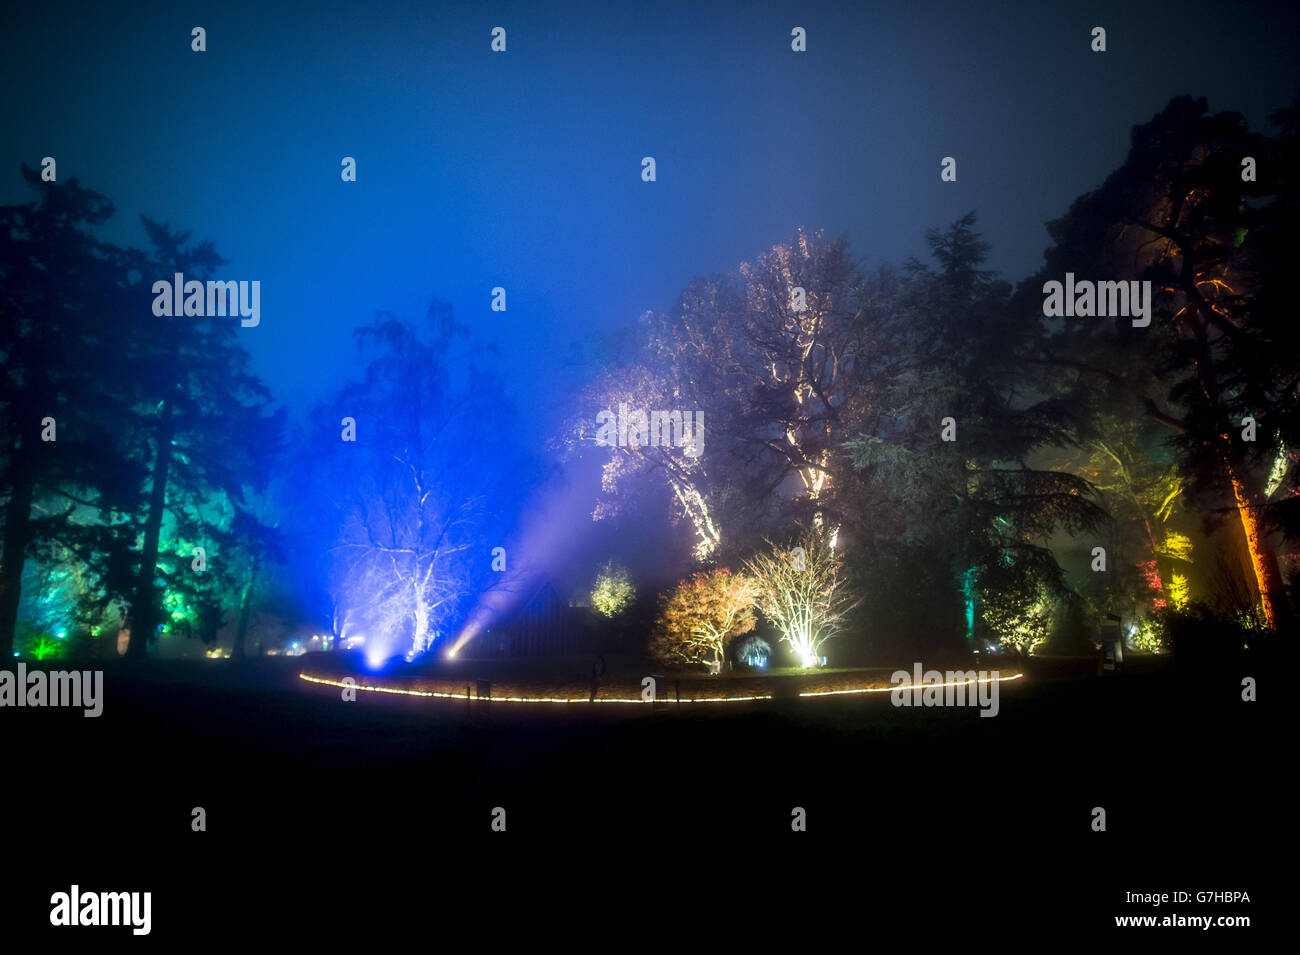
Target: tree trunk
245,611
1268,576
16,537
144,608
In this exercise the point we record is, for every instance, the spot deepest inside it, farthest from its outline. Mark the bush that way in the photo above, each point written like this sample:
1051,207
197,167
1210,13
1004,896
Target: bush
1200,639
752,651
33,644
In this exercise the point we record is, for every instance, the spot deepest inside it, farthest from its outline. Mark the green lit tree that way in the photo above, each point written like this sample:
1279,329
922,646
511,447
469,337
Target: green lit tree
954,471
198,422
63,402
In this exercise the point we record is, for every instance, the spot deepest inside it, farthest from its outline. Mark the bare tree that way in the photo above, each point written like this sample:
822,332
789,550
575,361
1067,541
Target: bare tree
409,488
802,591
397,575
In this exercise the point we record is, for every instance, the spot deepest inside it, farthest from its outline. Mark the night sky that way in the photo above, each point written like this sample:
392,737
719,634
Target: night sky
522,170
346,815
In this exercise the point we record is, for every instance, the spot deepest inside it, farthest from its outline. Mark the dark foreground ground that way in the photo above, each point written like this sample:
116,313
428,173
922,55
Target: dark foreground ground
370,821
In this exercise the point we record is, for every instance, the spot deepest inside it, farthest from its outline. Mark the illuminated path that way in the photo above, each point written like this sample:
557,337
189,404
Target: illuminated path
442,694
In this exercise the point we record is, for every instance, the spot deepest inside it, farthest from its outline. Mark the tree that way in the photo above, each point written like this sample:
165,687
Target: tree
1138,484
702,615
404,461
612,592
198,422
260,545
1217,248
811,352
781,358
65,295
131,438
801,590
652,448
1018,608
953,469
794,348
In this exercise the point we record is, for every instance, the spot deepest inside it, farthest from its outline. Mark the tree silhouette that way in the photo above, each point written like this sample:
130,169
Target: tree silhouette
64,298
1221,346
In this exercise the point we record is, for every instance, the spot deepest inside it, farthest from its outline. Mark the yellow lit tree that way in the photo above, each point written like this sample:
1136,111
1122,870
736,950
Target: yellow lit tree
613,590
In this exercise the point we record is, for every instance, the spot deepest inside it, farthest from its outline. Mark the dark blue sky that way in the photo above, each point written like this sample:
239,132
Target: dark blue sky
523,170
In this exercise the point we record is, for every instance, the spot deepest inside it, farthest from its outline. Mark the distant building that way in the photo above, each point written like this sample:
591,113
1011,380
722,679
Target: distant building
542,625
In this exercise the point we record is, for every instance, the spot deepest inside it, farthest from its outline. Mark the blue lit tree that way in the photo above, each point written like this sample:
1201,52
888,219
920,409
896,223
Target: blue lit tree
410,496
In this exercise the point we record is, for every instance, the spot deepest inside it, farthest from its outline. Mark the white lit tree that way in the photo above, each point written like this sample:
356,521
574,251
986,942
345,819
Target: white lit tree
802,591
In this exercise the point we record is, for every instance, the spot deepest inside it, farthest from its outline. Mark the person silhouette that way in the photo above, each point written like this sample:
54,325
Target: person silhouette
597,671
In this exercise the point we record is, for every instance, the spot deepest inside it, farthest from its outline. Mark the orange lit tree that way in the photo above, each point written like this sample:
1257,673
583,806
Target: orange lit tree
701,616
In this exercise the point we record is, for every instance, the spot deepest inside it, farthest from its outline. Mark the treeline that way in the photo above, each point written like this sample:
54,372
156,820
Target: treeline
982,471
132,444
990,473
150,485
